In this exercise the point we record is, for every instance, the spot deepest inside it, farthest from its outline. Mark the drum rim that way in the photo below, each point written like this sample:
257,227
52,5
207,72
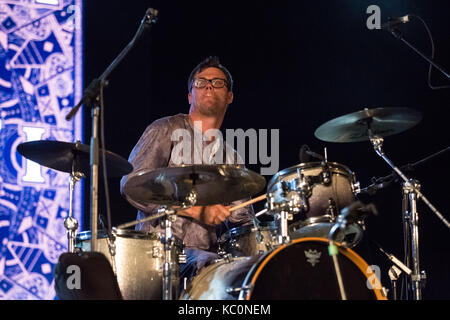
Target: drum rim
240,230
124,233
307,165
265,258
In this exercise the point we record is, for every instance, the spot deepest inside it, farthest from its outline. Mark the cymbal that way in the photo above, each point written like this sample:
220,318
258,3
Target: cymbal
212,184
60,156
383,122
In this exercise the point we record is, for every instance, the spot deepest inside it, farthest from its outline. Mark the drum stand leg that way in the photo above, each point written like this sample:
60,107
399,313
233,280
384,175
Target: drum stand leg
410,218
70,223
168,240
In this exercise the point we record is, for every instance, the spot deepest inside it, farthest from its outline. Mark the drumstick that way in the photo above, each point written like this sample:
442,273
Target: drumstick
262,197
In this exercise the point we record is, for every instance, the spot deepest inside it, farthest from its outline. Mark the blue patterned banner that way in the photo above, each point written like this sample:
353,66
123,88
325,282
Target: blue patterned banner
40,81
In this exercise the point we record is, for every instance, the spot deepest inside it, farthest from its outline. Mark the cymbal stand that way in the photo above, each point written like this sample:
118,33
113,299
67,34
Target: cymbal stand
167,240
70,223
411,193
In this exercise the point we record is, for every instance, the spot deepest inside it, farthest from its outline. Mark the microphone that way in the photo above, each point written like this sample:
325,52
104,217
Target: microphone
394,22
353,212
306,154
356,211
151,16
373,188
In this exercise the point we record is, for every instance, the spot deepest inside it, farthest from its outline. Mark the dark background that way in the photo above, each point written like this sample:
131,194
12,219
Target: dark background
296,65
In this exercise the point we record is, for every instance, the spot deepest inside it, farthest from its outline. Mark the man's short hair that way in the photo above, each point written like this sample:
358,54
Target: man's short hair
210,62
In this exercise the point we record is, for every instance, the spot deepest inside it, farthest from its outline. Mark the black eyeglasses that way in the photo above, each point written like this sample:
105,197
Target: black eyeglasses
216,83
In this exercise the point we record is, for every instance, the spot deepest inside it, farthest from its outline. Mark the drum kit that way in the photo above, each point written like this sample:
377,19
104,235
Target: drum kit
303,252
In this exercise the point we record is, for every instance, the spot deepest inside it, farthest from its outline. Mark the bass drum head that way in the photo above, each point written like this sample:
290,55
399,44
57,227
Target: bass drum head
303,270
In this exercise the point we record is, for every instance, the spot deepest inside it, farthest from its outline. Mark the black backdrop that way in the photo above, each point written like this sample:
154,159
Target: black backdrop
296,65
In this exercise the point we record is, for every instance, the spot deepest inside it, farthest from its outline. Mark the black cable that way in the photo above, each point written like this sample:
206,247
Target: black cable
432,55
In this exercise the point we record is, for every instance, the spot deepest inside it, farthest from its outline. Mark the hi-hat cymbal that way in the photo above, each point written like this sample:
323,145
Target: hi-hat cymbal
60,156
212,184
382,122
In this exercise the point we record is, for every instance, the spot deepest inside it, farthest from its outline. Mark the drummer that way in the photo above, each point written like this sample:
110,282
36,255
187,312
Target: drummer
210,92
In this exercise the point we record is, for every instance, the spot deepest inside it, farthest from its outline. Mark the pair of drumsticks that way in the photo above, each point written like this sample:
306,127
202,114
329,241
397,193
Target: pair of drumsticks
262,197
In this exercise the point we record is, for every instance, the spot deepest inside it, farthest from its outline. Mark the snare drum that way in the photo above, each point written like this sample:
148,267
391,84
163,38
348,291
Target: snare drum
137,260
317,191
248,240
300,270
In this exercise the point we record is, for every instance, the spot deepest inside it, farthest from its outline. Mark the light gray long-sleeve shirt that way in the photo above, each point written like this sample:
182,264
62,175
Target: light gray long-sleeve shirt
153,151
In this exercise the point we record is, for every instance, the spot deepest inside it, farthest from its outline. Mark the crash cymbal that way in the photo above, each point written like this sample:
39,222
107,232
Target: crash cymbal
212,184
60,156
354,127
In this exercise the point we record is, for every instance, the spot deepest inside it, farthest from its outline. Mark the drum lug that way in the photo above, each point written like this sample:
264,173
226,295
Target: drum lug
356,187
156,252
384,292
235,244
326,176
182,258
237,290
228,258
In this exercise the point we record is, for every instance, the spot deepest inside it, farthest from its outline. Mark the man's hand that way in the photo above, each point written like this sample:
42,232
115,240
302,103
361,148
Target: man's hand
210,215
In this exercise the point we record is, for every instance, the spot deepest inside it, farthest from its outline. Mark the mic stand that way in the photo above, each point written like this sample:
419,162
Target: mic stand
396,33
411,193
394,273
380,183
396,269
91,98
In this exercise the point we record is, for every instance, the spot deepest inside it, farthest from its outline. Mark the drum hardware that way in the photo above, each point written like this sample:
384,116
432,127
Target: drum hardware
93,99
283,215
167,241
394,274
171,186
411,192
317,190
237,291
284,273
332,211
112,251
72,158
168,216
349,213
304,191
374,125
179,188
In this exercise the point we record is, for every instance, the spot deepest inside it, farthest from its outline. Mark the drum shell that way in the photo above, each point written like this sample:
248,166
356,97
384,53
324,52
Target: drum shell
301,270
248,240
137,262
320,217
340,188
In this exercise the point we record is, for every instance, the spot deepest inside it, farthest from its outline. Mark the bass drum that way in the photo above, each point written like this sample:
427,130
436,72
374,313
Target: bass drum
301,270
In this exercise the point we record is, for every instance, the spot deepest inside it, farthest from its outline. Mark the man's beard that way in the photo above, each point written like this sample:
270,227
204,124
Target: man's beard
211,111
